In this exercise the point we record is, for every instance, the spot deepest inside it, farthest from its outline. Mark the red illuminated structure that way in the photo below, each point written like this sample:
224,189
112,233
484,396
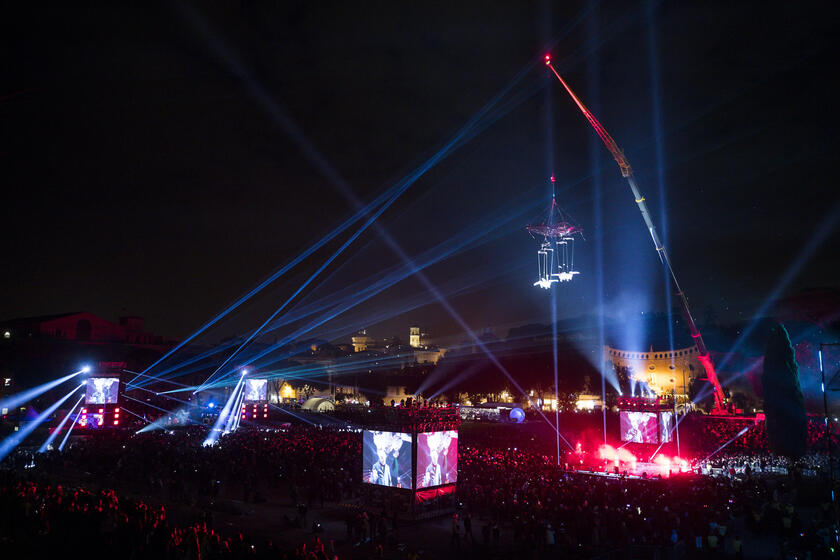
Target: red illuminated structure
98,416
258,411
627,173
102,401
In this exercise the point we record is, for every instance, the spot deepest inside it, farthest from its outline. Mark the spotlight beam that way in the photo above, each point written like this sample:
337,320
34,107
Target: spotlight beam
10,443
55,432
234,416
719,449
18,399
215,432
67,435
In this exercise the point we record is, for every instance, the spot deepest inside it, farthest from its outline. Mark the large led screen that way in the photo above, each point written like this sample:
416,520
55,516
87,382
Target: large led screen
437,458
102,390
638,427
666,426
386,459
256,390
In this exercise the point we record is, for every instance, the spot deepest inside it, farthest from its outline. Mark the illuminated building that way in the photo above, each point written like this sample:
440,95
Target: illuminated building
663,372
588,402
416,337
362,342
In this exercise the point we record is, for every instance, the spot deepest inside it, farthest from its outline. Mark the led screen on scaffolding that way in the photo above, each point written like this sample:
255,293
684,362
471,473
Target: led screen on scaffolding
102,390
386,459
437,458
256,390
666,426
638,427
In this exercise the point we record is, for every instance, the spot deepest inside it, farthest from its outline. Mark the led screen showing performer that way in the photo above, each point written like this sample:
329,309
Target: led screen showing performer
437,458
638,427
386,459
256,390
666,426
102,390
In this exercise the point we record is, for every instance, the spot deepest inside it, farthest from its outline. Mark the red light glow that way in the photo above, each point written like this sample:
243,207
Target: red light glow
620,455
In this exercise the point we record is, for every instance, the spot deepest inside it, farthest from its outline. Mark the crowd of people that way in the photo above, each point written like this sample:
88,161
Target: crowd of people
43,520
407,416
708,433
584,515
314,463
511,494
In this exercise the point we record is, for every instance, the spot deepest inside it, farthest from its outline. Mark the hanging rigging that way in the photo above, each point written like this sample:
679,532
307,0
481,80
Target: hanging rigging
556,254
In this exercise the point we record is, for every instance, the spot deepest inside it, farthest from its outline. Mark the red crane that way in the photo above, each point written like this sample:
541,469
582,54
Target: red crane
627,173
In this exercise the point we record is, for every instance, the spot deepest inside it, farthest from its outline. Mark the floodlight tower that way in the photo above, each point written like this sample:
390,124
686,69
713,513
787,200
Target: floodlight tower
556,255
627,173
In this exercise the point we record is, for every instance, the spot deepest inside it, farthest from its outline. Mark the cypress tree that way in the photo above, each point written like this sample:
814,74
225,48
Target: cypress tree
784,405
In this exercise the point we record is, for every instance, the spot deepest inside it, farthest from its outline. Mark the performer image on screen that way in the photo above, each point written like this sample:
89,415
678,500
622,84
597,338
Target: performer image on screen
380,473
432,475
436,471
634,434
394,466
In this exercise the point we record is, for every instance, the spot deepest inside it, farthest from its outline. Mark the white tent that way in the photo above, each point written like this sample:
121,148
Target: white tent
318,404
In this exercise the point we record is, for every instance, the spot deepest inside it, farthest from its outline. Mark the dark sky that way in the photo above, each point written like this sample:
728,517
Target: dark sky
143,175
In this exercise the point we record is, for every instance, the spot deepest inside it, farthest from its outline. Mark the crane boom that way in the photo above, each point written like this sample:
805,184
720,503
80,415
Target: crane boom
627,172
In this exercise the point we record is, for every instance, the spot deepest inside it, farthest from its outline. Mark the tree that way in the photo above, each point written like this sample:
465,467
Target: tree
784,406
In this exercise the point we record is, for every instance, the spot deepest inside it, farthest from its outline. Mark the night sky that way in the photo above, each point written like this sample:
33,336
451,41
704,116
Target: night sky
144,174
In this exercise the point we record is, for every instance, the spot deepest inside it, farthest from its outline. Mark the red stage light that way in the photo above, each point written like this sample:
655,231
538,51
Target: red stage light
548,59
117,410
116,422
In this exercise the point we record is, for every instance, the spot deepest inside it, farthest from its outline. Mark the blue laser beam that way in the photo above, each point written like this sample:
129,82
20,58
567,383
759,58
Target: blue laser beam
216,431
69,431
10,443
46,445
24,396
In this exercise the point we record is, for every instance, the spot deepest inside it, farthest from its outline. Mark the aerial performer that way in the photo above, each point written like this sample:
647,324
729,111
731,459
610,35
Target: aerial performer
556,254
